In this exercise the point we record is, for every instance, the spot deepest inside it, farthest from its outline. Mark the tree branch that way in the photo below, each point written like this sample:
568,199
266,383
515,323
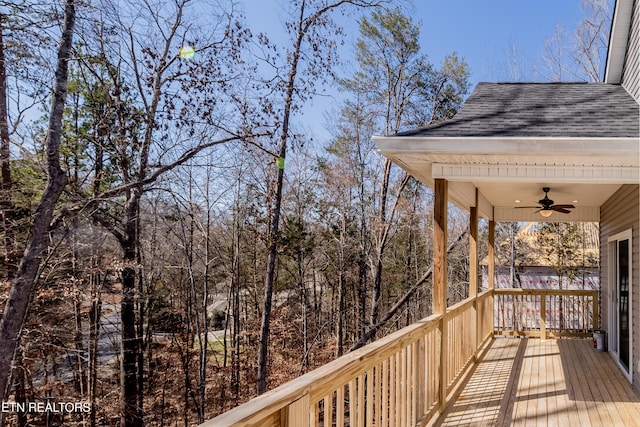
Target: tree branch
119,190
402,301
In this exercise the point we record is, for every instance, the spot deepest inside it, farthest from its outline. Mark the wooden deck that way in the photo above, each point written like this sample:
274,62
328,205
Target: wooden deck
550,383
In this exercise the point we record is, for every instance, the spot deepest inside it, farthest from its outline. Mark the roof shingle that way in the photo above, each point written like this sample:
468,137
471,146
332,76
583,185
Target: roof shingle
571,110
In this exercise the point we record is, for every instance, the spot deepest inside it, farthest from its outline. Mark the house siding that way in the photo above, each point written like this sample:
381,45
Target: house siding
631,72
622,212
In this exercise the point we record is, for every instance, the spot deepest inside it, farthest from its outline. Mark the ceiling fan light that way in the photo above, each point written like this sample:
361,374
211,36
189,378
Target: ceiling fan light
546,213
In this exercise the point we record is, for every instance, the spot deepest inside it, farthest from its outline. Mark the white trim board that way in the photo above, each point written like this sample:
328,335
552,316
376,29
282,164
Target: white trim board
575,174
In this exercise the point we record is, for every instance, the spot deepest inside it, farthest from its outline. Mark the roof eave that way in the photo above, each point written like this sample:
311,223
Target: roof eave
618,40
508,145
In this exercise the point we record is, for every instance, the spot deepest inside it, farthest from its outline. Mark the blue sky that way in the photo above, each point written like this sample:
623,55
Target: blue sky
481,31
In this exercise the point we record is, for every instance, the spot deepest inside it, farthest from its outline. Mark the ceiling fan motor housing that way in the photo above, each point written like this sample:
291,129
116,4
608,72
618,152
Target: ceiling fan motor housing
546,202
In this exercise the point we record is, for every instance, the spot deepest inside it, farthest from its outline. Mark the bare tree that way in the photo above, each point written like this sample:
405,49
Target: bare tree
22,286
579,55
6,203
554,55
592,38
397,82
310,42
162,108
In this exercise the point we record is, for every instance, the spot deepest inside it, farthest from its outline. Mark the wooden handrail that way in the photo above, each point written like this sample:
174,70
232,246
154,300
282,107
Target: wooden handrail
317,382
399,376
524,291
546,312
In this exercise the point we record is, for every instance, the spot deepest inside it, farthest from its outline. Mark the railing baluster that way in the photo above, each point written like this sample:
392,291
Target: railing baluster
369,397
384,415
327,410
545,313
352,402
398,390
361,392
402,387
393,375
340,407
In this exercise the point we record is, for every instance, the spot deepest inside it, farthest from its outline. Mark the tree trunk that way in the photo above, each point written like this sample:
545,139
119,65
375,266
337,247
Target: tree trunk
270,277
362,279
19,381
6,203
382,225
341,274
234,300
203,332
275,219
304,297
22,287
94,335
130,411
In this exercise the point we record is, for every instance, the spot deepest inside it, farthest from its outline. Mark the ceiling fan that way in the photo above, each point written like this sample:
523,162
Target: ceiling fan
547,207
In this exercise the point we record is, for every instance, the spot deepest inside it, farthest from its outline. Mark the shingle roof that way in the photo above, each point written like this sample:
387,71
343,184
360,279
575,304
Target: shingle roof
582,110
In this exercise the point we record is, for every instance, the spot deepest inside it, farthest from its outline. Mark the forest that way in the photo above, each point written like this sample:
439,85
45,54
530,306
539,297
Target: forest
173,241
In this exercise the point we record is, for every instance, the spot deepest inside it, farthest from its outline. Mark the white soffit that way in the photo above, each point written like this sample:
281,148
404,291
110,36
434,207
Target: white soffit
595,160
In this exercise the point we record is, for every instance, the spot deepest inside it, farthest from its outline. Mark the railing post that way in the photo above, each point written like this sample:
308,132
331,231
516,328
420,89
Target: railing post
543,316
595,311
440,280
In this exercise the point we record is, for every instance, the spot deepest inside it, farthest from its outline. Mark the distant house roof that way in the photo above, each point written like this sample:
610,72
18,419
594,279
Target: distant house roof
563,110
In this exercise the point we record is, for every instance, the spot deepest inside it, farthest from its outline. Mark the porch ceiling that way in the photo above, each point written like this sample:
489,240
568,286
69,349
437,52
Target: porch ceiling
583,172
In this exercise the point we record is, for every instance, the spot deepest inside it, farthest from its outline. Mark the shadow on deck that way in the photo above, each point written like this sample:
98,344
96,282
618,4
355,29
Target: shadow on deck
544,382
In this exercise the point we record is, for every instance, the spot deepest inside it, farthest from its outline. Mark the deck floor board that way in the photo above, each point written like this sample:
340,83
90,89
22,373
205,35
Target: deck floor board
530,382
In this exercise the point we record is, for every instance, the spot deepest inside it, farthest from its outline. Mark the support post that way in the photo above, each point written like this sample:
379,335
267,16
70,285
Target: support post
473,274
491,255
491,266
473,252
440,247
440,281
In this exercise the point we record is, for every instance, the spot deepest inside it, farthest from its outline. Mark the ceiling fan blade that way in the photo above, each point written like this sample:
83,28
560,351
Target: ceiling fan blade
564,206
560,209
527,207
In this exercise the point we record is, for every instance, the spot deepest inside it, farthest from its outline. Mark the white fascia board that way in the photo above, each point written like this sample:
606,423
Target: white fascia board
491,145
527,173
618,40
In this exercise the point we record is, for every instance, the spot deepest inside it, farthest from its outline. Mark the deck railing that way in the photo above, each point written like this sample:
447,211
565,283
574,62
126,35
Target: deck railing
546,313
394,381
